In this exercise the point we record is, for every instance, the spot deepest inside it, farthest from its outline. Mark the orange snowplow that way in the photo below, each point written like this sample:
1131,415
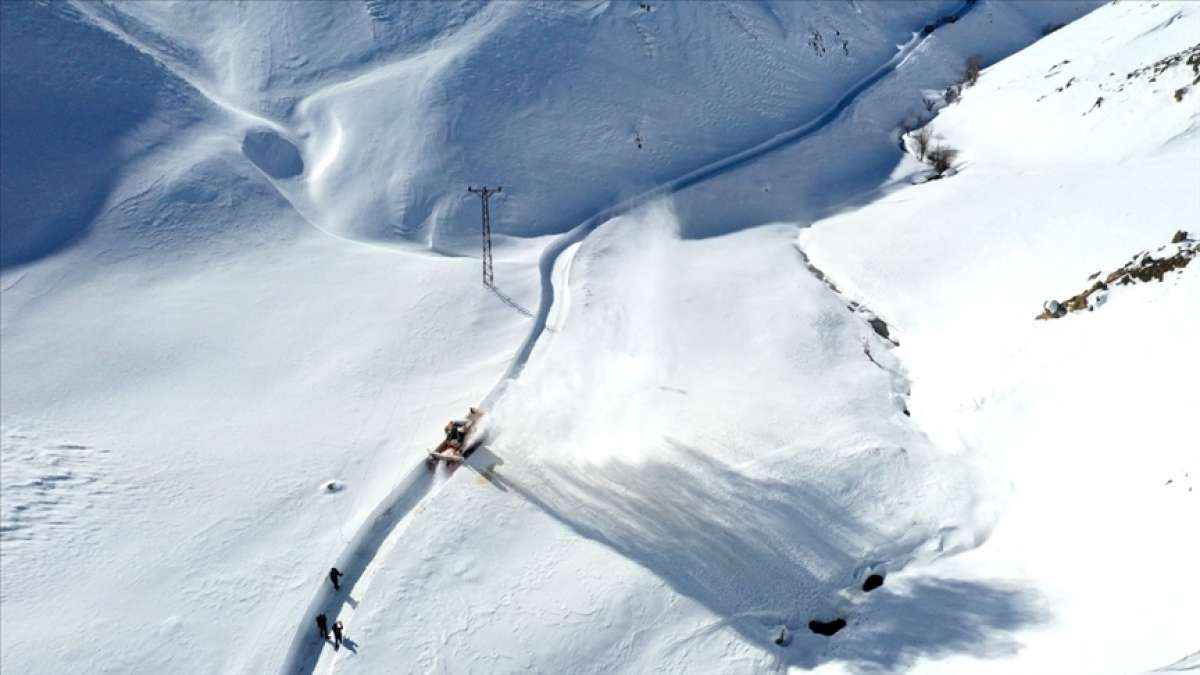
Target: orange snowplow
459,438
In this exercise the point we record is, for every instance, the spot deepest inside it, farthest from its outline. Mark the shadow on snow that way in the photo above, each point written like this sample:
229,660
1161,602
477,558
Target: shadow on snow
761,553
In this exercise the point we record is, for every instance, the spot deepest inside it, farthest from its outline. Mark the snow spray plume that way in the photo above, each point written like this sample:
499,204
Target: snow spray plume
589,391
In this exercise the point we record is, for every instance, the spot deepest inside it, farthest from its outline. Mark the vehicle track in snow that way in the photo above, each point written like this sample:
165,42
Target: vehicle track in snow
358,560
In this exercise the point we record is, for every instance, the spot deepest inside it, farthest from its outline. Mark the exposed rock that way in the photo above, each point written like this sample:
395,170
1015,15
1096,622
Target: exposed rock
872,582
1143,267
1052,309
826,628
879,326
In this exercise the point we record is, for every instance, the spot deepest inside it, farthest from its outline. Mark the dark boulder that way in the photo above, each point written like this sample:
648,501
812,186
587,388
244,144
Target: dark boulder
880,327
872,582
826,628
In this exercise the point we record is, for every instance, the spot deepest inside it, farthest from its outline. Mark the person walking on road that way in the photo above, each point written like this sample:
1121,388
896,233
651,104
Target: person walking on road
337,635
322,626
334,575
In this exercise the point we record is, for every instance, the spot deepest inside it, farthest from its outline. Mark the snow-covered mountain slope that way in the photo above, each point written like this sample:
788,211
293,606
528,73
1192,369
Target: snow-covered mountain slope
1088,415
395,102
71,124
392,104
668,494
186,362
254,277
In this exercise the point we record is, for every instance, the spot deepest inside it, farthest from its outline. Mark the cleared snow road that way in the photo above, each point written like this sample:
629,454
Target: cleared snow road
357,560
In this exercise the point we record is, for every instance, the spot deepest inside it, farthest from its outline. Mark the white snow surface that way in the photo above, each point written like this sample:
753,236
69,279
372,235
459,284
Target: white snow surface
239,263
1089,416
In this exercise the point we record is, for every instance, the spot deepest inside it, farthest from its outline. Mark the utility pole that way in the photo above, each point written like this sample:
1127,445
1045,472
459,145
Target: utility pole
484,193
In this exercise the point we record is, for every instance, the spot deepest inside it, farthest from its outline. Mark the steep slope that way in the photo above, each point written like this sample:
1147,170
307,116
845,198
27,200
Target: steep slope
418,99
71,122
186,362
568,491
1077,154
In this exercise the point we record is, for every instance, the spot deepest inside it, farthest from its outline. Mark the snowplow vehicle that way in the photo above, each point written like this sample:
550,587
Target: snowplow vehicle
460,437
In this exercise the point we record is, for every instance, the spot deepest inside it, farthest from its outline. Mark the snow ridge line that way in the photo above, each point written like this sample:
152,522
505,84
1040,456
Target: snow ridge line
355,560
108,19
245,119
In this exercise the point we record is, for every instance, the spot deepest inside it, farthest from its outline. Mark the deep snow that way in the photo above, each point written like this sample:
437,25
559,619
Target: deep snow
1088,415
262,278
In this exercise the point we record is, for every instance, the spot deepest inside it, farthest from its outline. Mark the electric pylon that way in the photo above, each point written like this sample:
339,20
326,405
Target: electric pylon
484,193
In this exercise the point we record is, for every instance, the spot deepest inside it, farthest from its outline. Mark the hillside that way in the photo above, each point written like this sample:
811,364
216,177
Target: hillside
742,353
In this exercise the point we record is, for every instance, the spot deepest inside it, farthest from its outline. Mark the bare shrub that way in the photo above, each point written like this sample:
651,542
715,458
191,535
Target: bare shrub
930,104
941,159
951,94
921,140
974,65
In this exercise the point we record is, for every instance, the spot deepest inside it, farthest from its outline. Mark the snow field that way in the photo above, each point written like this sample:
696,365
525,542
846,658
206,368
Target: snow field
703,445
1087,415
655,438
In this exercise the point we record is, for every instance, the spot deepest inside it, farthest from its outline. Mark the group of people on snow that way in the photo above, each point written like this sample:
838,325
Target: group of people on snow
335,576
323,628
454,444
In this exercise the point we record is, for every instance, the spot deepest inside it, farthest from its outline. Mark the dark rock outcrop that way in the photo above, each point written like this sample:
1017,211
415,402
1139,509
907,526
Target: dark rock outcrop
1143,267
826,628
872,582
